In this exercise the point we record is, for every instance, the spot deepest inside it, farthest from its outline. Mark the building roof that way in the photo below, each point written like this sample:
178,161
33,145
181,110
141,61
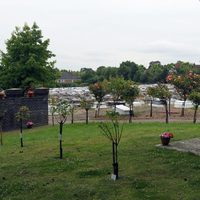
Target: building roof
69,76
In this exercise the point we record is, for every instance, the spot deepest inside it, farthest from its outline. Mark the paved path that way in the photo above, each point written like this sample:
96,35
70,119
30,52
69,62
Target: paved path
192,146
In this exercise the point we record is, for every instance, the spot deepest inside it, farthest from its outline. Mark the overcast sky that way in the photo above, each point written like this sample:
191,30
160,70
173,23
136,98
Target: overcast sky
93,33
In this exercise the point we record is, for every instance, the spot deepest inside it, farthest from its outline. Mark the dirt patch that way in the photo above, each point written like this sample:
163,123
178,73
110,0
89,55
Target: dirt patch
140,114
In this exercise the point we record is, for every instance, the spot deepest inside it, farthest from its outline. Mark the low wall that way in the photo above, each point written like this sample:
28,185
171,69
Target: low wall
37,104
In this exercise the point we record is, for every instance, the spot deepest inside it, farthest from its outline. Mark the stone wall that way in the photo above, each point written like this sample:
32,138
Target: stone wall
38,106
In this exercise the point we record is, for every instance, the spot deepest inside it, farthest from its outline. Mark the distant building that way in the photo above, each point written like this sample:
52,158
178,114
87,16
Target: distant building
197,67
154,63
68,77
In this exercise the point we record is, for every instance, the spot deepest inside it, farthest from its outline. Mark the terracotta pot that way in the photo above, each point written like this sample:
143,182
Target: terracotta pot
165,141
29,126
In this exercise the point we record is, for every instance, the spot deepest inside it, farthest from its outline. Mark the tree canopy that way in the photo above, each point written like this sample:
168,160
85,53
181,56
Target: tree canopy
27,60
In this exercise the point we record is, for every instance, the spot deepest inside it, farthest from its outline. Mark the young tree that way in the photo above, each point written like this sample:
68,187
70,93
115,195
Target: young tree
22,114
129,94
88,76
72,110
113,131
115,87
151,91
184,84
53,102
2,114
86,103
99,92
63,109
195,98
27,60
162,92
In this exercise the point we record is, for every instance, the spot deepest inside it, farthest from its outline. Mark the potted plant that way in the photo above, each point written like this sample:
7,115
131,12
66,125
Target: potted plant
165,138
2,94
29,124
30,92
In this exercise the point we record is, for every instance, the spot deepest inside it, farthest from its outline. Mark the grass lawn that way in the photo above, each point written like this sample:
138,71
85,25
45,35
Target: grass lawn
145,171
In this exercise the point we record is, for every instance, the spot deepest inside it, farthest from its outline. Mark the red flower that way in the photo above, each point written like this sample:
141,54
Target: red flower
167,135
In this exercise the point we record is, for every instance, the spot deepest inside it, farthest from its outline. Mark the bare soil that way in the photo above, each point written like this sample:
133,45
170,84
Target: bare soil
140,114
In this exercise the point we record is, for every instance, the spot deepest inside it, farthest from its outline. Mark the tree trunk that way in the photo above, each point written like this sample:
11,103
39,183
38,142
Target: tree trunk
169,106
115,160
72,116
86,116
1,131
21,137
52,118
130,113
166,112
195,114
98,110
115,105
151,108
183,109
61,150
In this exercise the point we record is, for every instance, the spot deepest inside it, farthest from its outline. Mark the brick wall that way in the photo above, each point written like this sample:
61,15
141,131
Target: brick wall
38,106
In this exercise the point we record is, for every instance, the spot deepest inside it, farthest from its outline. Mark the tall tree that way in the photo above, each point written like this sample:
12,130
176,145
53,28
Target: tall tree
154,72
162,92
27,60
88,75
183,67
184,84
128,70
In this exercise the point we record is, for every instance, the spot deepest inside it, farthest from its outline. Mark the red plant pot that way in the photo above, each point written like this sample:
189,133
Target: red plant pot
165,141
29,126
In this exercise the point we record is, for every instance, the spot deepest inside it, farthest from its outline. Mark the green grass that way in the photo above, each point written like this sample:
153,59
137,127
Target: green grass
146,172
